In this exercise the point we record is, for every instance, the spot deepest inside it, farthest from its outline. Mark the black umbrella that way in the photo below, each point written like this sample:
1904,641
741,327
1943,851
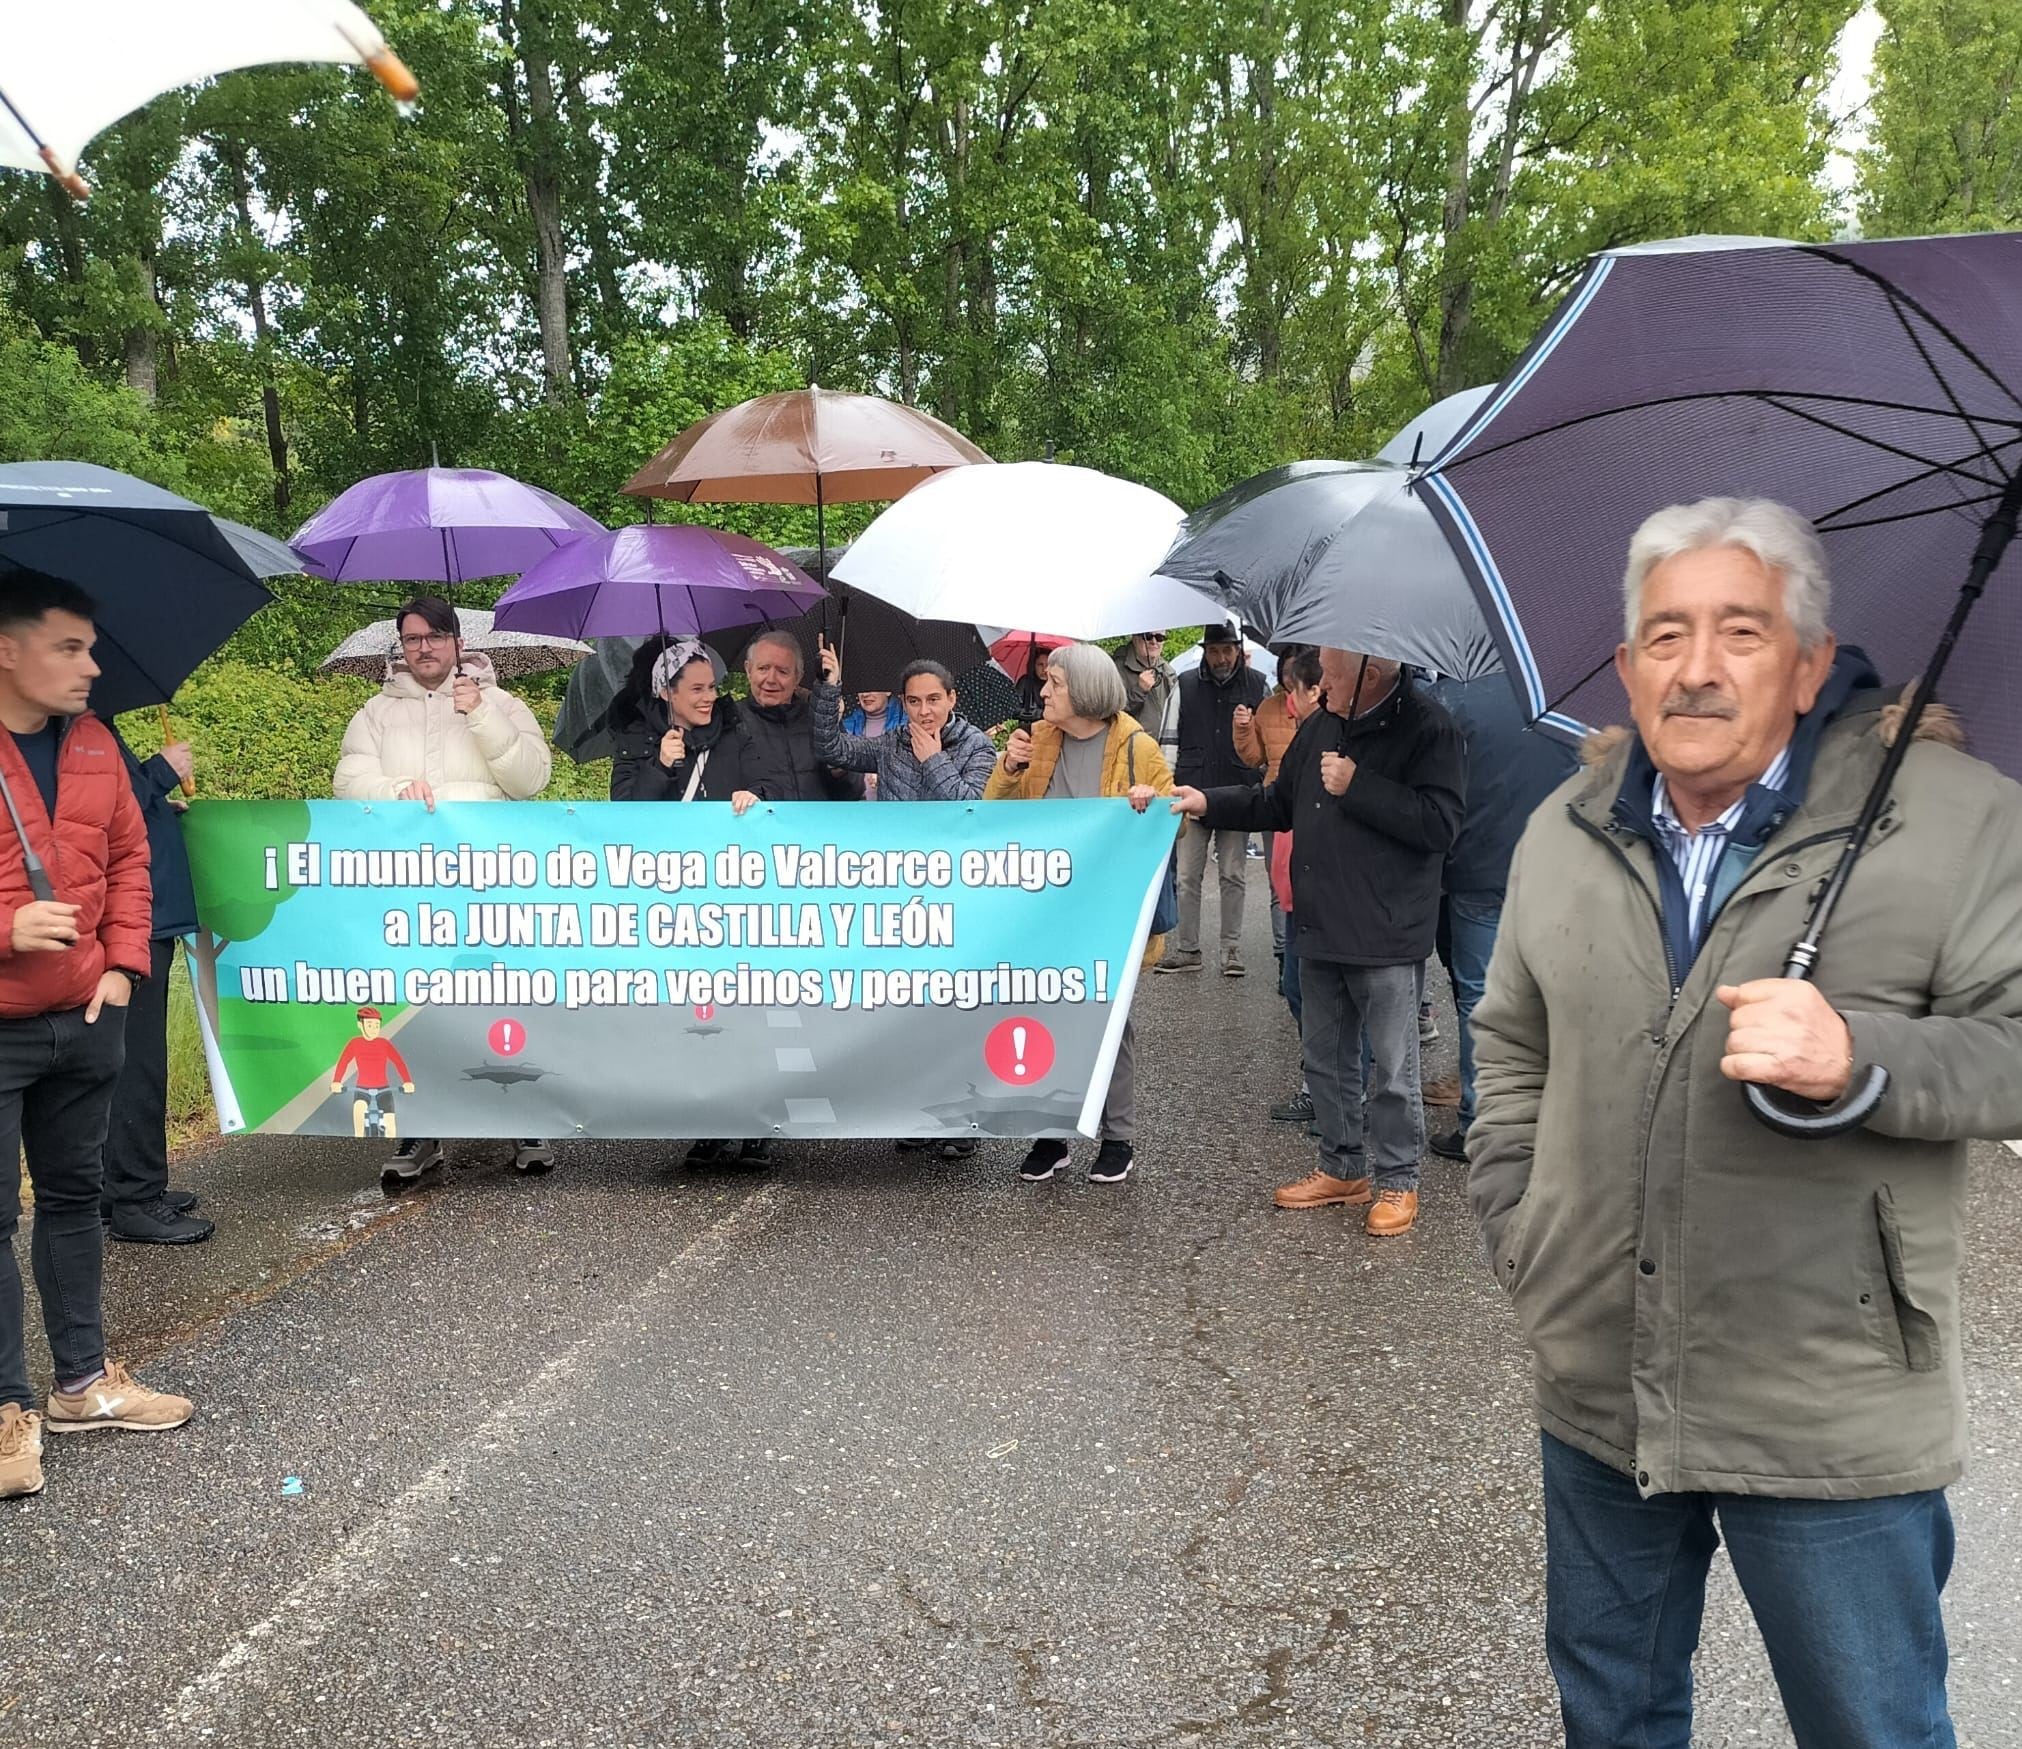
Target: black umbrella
876,640
169,582
1876,387
1337,553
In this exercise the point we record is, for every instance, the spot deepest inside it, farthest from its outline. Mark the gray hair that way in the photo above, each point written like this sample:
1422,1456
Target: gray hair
1785,542
783,641
1094,688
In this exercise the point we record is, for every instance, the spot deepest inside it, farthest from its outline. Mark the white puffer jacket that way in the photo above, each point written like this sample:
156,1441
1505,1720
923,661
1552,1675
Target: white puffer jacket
497,753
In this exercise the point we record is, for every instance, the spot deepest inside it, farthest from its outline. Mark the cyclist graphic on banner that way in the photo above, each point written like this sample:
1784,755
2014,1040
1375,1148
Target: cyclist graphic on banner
370,1055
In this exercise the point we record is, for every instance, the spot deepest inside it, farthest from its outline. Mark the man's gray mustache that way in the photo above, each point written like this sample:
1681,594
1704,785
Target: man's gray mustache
1685,704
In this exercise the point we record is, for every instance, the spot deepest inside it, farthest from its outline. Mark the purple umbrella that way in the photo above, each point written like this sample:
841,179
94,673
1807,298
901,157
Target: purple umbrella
437,525
634,582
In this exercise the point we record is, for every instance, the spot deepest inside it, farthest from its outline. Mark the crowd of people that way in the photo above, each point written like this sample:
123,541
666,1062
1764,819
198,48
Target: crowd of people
1736,1334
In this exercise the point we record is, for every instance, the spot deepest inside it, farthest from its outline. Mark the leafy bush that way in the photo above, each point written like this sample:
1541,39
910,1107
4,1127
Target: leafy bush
259,734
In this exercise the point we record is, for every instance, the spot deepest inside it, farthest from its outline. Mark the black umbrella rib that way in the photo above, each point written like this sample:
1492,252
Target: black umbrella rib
1895,449
1897,295
1591,674
1897,308
1964,504
1988,453
1774,396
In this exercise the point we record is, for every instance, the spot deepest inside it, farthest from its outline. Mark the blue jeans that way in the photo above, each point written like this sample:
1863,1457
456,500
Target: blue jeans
1845,1593
1288,984
1469,939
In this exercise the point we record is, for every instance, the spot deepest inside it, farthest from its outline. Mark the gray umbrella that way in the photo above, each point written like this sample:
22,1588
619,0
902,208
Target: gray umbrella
366,653
260,552
1337,553
1428,434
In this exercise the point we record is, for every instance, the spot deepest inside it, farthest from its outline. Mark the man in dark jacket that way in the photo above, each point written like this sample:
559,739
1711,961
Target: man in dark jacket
139,1205
1371,790
1209,699
781,723
1511,768
73,944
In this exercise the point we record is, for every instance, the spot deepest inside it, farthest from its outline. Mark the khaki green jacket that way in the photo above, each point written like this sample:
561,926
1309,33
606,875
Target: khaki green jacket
1709,1305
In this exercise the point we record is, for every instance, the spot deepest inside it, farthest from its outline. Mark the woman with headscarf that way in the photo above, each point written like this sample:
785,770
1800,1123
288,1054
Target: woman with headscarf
1086,744
676,739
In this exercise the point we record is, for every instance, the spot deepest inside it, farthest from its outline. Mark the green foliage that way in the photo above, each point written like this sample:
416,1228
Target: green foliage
258,734
1180,242
1946,149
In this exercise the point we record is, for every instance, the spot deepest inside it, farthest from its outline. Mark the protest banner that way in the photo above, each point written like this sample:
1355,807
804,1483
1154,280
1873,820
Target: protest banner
631,969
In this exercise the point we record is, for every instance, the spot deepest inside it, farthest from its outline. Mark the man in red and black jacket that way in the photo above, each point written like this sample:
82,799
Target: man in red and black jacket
74,927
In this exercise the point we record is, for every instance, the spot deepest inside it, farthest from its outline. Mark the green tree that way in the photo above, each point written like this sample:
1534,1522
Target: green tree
1945,152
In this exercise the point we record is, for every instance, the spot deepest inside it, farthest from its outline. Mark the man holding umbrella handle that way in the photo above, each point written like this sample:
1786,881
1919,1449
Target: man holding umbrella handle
1740,1335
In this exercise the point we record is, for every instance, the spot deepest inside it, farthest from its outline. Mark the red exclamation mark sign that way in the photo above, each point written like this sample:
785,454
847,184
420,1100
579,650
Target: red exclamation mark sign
705,1012
507,1038
1019,1051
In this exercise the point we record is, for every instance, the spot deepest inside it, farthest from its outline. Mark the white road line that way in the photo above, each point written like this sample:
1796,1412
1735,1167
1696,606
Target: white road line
782,1020
809,1111
369,1560
794,1062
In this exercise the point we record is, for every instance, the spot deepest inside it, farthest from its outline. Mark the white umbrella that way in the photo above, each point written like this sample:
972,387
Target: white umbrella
69,72
366,653
1060,549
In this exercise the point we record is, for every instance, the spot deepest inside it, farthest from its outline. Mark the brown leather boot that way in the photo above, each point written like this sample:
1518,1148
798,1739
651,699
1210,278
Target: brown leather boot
1395,1212
1445,1091
1318,1190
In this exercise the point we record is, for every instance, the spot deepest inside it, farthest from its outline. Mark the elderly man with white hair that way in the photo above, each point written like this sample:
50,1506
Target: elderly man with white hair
1739,1334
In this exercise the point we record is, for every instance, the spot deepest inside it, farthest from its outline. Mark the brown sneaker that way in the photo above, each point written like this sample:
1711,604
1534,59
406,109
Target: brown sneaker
1318,1190
1445,1091
116,1399
1395,1212
20,1452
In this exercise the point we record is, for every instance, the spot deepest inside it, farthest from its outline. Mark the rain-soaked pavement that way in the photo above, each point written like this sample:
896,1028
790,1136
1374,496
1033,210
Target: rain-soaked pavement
868,1452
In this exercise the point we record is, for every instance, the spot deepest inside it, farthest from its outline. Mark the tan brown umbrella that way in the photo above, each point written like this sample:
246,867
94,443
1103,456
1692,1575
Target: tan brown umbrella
808,446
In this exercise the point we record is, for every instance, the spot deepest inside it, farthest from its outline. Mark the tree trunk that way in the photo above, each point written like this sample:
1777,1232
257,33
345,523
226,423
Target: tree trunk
534,133
233,152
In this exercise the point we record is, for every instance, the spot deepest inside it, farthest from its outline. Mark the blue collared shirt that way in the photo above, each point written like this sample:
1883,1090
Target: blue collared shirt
1697,854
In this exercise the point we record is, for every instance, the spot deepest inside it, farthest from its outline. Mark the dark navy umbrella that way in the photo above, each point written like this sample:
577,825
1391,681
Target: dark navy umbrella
170,584
1876,387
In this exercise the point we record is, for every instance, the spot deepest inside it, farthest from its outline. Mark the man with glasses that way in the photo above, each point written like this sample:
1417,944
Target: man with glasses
442,729
1147,680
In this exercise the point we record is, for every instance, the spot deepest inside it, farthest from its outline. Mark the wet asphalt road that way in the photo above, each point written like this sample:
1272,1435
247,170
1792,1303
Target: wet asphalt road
867,1452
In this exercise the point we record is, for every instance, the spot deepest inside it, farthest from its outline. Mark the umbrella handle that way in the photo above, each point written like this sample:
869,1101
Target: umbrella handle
189,784
1805,1120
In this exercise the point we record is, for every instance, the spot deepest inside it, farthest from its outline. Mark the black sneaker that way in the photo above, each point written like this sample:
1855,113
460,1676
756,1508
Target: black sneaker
962,1148
156,1223
707,1153
533,1159
1297,1109
1179,962
1450,1146
915,1144
754,1154
1113,1161
178,1201
414,1156
1042,1161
